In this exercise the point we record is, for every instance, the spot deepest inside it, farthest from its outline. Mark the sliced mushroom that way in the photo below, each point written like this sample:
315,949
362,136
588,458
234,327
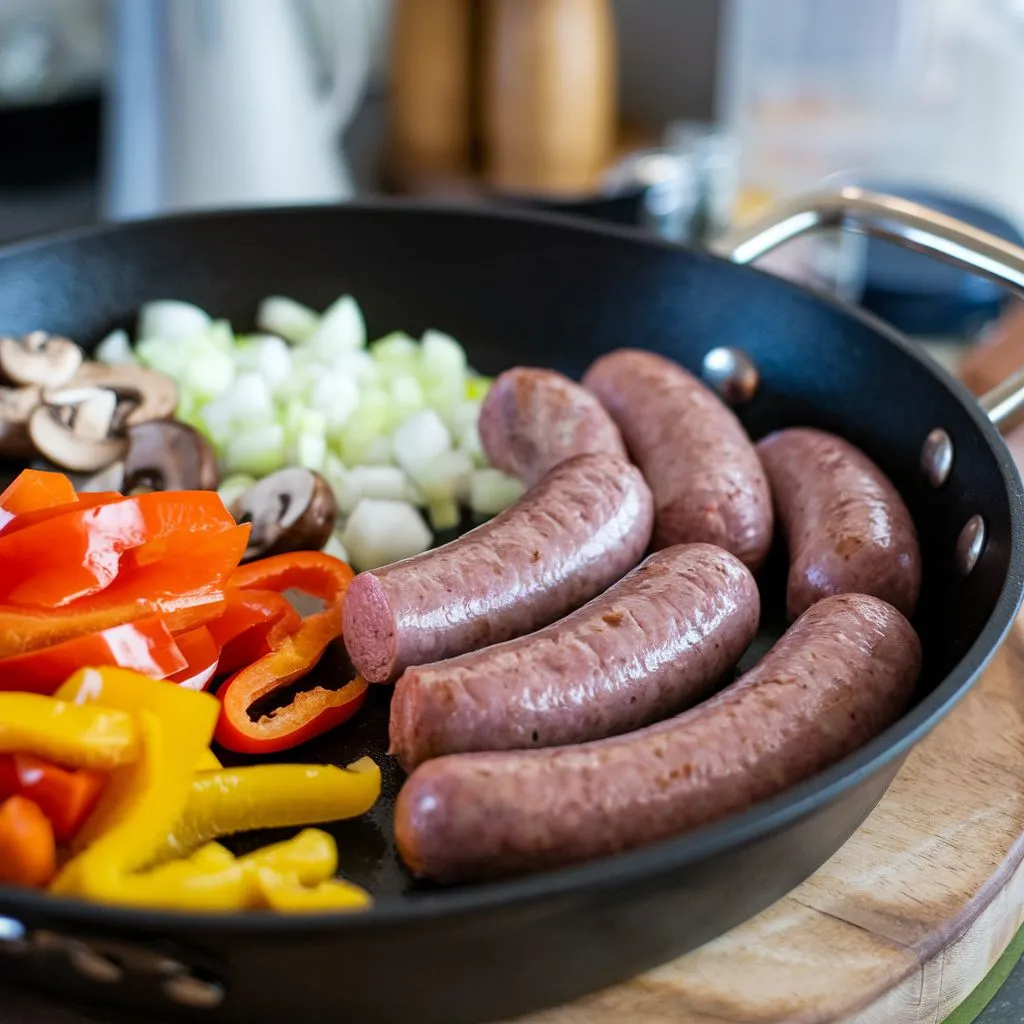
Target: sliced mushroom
165,455
16,406
41,359
75,428
142,395
290,510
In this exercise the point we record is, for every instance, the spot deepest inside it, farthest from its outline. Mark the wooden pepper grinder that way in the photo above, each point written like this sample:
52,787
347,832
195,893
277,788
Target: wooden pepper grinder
430,70
549,94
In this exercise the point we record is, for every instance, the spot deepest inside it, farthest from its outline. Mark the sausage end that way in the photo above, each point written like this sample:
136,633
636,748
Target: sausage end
368,624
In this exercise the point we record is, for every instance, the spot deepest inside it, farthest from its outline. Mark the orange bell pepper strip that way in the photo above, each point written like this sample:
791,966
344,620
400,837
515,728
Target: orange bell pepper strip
28,851
42,515
310,712
145,645
65,797
76,555
34,489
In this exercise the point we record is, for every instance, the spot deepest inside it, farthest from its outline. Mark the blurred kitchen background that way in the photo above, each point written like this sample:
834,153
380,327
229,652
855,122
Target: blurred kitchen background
676,117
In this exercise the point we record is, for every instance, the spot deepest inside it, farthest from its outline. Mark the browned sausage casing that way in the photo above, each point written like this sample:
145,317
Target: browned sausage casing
654,643
532,419
584,526
839,676
707,481
846,525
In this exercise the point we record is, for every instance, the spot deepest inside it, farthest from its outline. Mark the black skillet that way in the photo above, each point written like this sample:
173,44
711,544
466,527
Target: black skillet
540,290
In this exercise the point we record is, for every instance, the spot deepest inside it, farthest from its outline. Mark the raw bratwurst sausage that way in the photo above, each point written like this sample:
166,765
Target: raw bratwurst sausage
847,527
531,420
839,676
654,643
584,526
707,481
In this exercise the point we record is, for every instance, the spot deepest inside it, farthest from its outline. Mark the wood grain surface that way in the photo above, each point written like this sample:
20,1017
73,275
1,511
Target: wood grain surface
901,924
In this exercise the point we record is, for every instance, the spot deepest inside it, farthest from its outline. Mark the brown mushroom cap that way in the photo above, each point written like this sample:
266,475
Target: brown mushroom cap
165,455
290,510
142,394
75,429
40,359
16,406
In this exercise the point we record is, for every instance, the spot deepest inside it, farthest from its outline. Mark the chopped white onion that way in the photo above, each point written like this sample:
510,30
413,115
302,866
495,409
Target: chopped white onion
115,349
419,439
258,450
341,329
380,532
287,318
491,491
171,320
233,487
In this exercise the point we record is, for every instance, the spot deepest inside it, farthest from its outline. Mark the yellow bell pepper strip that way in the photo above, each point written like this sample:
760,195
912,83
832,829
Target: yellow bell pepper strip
143,801
208,762
310,857
61,731
271,796
284,894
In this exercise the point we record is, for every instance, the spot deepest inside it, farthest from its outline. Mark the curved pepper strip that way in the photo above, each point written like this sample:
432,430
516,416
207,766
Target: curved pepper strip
42,515
144,646
34,489
253,623
293,875
234,800
310,712
78,737
143,801
28,852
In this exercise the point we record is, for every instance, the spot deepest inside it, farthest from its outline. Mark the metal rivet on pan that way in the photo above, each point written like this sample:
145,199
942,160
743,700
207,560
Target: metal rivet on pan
731,373
969,545
94,965
187,990
937,457
12,936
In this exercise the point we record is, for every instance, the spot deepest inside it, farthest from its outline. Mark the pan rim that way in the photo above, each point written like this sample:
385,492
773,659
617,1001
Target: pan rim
645,865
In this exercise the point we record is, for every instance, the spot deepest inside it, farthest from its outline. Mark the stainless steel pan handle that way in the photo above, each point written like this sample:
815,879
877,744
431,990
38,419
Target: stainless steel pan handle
908,224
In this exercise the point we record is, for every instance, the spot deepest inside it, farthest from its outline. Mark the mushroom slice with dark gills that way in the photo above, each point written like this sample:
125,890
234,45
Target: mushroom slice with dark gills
142,394
75,428
40,359
16,406
162,455
290,510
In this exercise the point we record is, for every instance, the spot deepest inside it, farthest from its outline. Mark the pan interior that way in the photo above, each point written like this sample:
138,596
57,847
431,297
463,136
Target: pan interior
532,291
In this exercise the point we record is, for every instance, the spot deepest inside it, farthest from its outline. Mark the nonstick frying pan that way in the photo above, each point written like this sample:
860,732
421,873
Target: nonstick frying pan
543,290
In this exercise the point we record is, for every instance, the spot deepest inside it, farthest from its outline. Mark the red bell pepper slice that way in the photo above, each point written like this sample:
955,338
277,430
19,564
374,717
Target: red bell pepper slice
76,555
254,621
145,646
65,797
34,489
28,852
201,653
310,712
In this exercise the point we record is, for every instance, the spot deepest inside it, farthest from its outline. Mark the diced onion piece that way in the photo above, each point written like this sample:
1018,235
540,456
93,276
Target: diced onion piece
395,355
444,514
115,349
370,420
351,486
209,372
380,532
309,445
444,476
258,450
171,320
156,354
249,399
357,364
336,549
287,318
406,396
378,452
267,355
477,387
337,397
218,420
341,329
490,491
471,444
442,357
419,439
233,487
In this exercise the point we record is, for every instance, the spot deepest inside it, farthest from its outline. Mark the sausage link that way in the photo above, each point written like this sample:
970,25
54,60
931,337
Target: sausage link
532,419
839,676
653,644
847,528
585,525
707,482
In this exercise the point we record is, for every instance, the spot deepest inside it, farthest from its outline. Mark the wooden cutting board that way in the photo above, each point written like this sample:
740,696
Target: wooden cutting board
901,924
